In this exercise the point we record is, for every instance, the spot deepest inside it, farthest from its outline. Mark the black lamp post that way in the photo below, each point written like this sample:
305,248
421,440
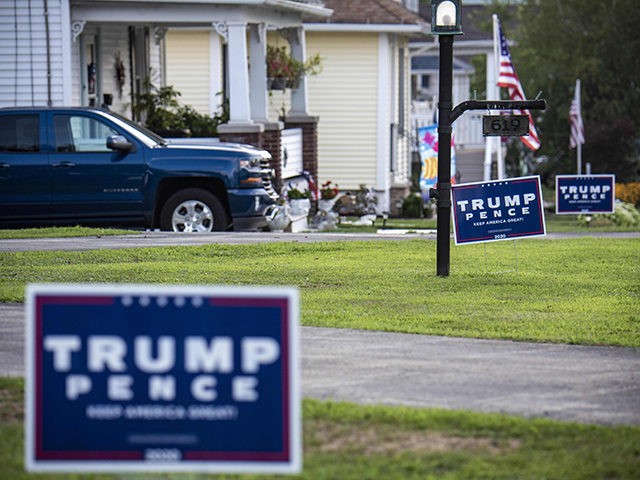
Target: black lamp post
445,23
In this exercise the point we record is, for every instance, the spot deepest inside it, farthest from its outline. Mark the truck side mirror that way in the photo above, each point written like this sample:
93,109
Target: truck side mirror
120,143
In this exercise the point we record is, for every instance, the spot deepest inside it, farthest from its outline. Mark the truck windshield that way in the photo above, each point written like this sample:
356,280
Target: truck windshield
141,133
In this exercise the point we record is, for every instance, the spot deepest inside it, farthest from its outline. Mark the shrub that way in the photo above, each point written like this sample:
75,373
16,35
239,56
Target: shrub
628,193
164,114
626,215
412,206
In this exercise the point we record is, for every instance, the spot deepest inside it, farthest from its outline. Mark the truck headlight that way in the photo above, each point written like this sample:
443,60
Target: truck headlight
250,163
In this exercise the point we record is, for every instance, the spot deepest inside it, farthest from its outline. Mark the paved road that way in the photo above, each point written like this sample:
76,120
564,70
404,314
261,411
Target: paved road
584,384
160,239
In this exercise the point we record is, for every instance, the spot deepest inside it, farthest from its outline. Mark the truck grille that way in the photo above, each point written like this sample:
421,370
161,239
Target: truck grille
267,177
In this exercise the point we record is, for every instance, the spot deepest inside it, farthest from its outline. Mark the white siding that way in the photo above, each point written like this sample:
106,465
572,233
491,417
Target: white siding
345,98
24,54
403,159
188,67
115,39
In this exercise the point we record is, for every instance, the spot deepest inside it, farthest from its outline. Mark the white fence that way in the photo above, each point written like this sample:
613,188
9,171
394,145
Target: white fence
291,156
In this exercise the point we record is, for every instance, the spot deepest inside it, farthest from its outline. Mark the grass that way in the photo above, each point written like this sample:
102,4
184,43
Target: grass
555,224
579,291
62,232
346,441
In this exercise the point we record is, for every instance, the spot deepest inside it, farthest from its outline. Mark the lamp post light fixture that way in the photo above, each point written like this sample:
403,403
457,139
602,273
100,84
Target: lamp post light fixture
445,17
445,24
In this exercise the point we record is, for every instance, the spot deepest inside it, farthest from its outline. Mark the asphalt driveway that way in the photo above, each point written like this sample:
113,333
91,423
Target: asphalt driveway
585,384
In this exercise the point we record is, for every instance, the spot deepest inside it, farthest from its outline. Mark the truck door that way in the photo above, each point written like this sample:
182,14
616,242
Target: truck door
88,180
25,192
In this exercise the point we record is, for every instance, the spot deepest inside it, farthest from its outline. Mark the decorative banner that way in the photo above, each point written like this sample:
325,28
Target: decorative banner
497,210
428,149
577,194
155,378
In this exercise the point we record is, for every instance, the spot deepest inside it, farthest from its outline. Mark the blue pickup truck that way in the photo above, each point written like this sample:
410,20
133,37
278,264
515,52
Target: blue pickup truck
93,167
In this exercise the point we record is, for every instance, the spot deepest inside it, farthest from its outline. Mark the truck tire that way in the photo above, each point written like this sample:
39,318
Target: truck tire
193,210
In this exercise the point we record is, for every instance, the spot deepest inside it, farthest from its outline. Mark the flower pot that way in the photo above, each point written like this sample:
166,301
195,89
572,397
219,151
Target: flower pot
278,83
300,206
293,83
325,205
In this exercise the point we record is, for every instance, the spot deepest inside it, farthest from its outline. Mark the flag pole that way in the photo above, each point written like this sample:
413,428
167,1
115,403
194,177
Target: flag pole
576,135
579,158
496,56
579,144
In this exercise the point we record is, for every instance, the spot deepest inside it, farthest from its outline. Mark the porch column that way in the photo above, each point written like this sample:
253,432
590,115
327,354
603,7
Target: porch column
258,72
299,101
240,128
239,105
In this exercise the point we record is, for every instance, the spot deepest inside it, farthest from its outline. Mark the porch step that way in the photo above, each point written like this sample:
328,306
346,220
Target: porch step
470,164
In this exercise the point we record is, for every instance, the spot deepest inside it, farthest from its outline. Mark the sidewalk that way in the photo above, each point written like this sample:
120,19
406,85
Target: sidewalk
162,239
567,382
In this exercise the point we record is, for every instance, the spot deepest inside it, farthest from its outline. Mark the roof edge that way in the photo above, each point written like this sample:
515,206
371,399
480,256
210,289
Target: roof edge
305,8
367,27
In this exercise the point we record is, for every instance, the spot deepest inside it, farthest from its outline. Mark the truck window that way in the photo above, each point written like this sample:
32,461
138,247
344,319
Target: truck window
19,133
75,133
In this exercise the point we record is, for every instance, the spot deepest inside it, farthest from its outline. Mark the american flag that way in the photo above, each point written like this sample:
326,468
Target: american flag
575,119
508,78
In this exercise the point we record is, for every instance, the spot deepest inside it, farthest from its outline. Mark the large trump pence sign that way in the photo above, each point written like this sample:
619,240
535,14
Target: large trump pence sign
162,378
498,210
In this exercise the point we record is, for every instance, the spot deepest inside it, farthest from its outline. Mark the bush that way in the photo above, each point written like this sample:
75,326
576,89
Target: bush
412,206
165,115
628,193
626,215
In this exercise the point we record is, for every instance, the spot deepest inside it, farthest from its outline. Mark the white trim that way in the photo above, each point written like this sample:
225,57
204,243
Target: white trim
382,164
65,24
366,27
215,77
290,5
239,104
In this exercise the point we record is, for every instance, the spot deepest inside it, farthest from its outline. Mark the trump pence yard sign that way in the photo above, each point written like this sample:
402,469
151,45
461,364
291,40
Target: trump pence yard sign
497,210
585,194
162,378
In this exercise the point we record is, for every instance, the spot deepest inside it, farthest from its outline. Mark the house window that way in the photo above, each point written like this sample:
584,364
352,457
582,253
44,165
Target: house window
425,81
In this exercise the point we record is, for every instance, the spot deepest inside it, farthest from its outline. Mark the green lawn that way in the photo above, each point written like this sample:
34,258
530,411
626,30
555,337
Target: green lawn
582,290
62,232
555,224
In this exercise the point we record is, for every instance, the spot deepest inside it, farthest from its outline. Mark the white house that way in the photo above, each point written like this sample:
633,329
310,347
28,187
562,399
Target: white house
73,52
363,95
353,119
361,99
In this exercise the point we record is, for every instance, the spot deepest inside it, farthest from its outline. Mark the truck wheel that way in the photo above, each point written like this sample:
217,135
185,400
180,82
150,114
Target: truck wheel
193,210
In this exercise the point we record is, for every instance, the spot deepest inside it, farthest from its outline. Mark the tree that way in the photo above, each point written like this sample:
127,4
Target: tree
558,41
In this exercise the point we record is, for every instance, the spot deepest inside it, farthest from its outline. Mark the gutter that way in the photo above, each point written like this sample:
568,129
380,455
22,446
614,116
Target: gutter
315,9
368,28
46,28
305,8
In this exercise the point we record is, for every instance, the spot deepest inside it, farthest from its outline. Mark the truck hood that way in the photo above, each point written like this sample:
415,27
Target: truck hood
212,144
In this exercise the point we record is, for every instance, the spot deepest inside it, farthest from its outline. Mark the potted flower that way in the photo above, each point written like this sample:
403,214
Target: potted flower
284,71
279,67
328,193
299,201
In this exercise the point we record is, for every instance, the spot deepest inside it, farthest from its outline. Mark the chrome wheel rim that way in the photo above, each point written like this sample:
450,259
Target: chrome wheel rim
192,216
